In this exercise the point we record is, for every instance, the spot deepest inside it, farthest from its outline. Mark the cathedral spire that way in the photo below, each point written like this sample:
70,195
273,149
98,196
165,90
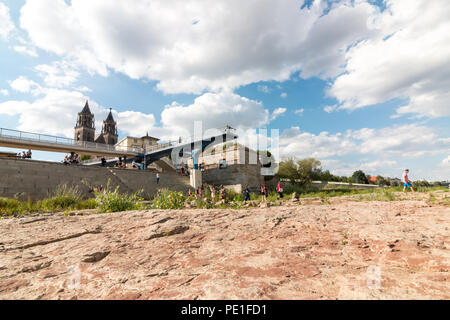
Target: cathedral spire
86,109
110,116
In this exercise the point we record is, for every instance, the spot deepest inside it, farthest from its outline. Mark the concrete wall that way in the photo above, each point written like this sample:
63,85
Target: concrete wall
37,179
238,174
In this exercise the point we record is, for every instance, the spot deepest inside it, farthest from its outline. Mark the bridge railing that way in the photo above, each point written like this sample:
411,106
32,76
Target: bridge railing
44,138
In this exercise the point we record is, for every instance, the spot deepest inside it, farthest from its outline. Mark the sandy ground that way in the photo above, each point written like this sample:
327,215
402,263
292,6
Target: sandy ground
343,250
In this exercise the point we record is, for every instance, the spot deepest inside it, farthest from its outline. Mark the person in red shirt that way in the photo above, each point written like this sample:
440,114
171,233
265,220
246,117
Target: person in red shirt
280,190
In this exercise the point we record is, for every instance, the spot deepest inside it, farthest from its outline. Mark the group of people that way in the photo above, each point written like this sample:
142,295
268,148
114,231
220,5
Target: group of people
121,163
73,158
265,191
24,155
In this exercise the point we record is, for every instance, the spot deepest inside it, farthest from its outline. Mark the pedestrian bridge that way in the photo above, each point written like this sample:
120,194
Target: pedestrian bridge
35,141
183,145
26,140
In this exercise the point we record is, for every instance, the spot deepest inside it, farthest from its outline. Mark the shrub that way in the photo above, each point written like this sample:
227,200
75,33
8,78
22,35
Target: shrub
63,197
166,199
10,206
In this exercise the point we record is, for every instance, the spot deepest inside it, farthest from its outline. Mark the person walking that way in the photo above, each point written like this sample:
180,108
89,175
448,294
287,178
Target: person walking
246,193
264,192
157,178
280,190
406,182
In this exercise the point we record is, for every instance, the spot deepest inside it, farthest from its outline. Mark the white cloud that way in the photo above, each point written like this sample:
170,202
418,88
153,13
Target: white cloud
135,123
6,25
232,43
411,141
55,112
83,89
330,109
26,50
300,111
4,92
407,59
283,95
24,85
277,112
446,161
58,74
263,88
216,110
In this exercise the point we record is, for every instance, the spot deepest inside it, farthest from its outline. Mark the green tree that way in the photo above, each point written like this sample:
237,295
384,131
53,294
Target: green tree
360,177
381,180
287,169
301,172
306,170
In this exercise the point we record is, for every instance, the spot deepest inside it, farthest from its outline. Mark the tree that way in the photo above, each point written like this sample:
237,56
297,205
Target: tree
360,177
381,180
301,172
287,170
306,169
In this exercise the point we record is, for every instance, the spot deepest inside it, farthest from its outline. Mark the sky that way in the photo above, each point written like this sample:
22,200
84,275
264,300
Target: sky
356,84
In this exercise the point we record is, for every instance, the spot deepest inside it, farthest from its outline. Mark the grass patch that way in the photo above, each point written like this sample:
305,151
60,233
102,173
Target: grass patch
109,200
63,198
166,199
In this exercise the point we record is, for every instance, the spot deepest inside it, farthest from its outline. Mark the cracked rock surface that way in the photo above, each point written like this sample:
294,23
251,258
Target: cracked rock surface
342,250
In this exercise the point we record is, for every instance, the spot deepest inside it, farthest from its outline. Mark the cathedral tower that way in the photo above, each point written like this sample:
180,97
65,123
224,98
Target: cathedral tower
109,130
85,127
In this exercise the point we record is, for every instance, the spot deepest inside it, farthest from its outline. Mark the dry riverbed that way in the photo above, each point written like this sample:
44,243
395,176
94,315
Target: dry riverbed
342,249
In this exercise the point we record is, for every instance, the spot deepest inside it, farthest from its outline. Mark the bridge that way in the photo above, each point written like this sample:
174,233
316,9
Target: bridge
186,145
35,141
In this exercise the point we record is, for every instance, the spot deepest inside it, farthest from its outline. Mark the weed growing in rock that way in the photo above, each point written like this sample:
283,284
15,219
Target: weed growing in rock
108,200
166,199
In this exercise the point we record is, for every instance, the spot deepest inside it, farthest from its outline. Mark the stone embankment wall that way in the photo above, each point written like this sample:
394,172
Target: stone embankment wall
238,174
37,179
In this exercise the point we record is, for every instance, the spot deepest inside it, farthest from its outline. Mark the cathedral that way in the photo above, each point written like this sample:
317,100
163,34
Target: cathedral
85,128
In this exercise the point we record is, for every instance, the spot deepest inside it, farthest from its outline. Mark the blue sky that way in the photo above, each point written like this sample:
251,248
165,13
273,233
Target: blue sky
355,84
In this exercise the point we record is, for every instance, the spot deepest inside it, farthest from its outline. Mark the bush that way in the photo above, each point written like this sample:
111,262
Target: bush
63,197
11,206
112,201
166,199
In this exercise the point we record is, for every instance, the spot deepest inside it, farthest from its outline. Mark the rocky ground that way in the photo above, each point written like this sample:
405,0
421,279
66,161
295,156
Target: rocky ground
343,249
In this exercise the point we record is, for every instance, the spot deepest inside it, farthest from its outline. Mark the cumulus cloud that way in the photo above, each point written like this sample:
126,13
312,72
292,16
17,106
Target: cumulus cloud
4,92
277,112
216,110
446,161
231,43
55,111
26,50
24,85
59,74
412,141
406,59
6,24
